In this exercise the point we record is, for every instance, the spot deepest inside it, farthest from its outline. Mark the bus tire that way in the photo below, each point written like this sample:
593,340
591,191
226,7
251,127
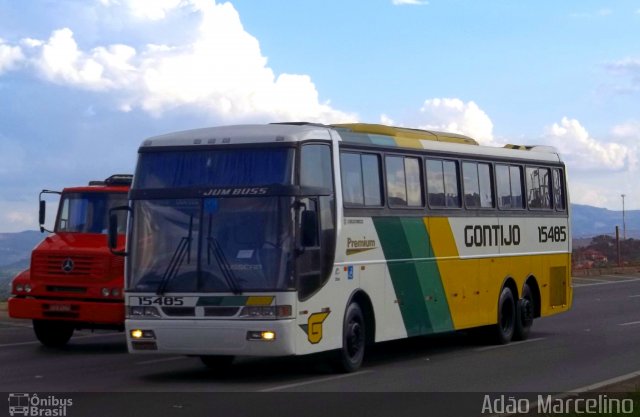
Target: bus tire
525,313
51,333
354,339
505,327
217,362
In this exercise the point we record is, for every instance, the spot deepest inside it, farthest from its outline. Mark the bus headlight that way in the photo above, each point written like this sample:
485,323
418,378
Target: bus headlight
27,287
141,312
266,312
266,335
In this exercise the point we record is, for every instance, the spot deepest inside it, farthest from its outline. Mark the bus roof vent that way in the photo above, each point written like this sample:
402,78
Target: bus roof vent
116,179
533,148
404,133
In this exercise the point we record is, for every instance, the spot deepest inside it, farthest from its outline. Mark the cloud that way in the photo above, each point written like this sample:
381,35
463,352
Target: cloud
410,2
629,130
456,116
219,71
583,152
10,56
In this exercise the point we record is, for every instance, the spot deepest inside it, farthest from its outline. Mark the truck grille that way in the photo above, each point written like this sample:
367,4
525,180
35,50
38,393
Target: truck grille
71,265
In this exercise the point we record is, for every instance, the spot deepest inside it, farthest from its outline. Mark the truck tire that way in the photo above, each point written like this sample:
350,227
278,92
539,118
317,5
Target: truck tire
51,333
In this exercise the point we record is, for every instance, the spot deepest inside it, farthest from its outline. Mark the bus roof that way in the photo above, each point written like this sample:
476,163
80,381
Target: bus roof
356,133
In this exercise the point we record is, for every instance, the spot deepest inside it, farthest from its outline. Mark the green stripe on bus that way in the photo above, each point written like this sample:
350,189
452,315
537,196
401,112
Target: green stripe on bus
417,285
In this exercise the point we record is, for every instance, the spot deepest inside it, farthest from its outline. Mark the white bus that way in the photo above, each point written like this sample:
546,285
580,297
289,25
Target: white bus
297,238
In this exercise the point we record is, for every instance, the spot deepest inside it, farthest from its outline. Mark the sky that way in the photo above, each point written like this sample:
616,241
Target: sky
83,83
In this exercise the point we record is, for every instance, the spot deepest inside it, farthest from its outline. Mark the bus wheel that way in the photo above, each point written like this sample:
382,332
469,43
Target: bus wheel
217,362
505,327
52,333
525,313
353,339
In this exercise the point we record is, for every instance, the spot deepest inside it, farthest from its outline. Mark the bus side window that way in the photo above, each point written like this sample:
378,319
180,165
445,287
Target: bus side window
538,188
477,185
360,179
509,183
404,181
558,190
442,183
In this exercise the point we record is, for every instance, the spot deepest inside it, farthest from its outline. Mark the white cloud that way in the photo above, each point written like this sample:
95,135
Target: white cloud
386,120
220,71
583,152
456,116
410,2
10,56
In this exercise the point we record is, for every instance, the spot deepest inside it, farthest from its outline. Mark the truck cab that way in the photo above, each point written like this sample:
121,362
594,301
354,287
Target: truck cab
74,281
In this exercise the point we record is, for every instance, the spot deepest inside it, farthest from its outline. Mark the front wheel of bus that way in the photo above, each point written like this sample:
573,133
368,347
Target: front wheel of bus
505,327
525,314
353,339
53,334
217,362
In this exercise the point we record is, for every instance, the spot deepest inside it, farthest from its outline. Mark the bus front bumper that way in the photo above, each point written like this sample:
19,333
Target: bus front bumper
211,337
86,312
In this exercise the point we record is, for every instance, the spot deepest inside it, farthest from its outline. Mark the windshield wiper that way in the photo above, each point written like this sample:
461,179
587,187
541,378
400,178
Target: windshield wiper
184,248
223,264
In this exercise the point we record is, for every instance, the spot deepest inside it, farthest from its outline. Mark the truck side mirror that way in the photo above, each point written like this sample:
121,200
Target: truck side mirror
112,238
113,231
309,228
41,214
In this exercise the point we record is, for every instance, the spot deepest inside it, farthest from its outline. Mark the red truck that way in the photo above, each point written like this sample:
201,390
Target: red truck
74,281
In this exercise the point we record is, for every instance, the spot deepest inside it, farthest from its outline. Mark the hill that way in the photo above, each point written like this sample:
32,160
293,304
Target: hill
588,221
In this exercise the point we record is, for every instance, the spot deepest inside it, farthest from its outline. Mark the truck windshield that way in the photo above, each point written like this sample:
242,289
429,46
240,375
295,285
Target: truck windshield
88,212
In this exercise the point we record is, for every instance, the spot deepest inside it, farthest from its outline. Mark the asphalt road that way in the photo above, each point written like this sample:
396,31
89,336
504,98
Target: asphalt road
596,341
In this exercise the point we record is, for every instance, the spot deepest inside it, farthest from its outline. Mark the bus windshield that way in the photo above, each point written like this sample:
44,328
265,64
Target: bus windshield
215,168
205,243
88,212
212,244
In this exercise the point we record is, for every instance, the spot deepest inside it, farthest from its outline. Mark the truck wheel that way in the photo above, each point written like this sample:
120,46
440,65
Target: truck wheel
217,362
504,329
52,333
353,339
525,314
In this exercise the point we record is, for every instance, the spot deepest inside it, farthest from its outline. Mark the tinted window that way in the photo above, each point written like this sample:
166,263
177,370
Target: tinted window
538,188
509,186
361,179
352,191
558,190
442,183
214,168
404,184
371,177
315,166
477,185
396,185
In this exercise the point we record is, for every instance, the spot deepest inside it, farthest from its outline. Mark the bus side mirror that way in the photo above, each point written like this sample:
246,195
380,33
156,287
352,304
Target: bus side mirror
309,228
41,214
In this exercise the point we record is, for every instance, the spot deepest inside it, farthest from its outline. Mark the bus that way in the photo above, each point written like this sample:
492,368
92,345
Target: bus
74,282
298,238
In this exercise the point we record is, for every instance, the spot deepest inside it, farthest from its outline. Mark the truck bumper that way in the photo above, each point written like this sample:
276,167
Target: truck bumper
86,312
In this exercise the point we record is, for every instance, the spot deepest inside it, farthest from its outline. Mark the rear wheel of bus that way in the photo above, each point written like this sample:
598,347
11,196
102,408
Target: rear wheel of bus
351,355
53,333
525,314
504,329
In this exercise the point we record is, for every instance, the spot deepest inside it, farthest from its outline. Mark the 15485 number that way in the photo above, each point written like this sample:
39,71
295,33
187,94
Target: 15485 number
160,301
552,234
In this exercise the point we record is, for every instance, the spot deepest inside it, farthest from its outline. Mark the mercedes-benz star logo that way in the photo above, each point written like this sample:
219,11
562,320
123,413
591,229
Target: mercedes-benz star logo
67,265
